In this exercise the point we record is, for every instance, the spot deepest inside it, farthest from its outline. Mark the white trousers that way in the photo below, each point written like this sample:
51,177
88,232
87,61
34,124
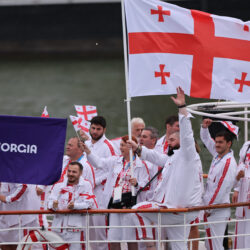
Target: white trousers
173,233
243,227
99,220
73,236
15,235
217,229
121,233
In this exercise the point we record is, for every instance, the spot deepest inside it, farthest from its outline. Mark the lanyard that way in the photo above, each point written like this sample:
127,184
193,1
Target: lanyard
213,165
79,158
126,166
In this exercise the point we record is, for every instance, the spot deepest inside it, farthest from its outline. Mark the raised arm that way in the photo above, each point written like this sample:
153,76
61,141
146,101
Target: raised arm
148,154
98,162
206,138
187,143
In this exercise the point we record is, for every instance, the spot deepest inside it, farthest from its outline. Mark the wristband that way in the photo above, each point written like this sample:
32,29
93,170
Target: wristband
182,106
138,150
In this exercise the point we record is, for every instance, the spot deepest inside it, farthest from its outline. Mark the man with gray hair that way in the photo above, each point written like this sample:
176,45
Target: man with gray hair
137,125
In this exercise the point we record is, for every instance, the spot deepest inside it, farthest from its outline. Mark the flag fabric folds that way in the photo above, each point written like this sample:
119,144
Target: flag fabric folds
79,124
45,113
231,127
169,46
87,112
31,149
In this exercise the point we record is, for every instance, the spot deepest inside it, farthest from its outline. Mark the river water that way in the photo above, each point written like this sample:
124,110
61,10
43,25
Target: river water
27,85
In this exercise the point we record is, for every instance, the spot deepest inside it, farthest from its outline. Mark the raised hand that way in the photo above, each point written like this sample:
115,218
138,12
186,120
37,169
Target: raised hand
179,100
206,123
132,145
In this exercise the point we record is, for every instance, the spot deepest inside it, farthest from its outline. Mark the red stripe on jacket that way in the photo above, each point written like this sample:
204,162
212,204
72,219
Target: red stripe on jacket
93,172
112,151
221,180
20,193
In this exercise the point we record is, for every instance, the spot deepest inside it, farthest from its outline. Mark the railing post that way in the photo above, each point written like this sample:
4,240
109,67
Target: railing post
87,231
159,231
20,226
185,227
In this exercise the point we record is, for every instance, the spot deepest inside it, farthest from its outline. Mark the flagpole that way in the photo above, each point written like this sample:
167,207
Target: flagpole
128,99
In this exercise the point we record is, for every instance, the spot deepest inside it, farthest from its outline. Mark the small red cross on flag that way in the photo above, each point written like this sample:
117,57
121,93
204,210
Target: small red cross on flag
202,52
242,81
87,112
79,124
160,12
162,74
45,112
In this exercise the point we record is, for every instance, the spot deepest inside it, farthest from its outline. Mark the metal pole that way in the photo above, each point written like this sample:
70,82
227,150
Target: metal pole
128,99
245,126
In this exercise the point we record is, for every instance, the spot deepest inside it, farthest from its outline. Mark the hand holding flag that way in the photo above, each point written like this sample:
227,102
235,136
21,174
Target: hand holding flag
79,123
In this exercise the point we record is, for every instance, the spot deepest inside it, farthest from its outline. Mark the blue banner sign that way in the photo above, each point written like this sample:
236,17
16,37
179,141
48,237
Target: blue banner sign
31,149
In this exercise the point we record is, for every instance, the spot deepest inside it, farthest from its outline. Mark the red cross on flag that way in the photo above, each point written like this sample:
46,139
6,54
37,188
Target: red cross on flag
86,112
79,124
169,46
45,112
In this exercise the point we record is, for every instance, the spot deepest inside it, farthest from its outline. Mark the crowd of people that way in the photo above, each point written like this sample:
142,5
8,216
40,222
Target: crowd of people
166,172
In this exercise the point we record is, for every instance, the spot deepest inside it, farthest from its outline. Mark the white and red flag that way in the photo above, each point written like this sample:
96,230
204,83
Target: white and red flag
169,46
87,112
45,112
79,123
231,127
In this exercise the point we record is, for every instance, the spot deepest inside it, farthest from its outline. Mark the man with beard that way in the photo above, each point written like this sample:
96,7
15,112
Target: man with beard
74,194
220,181
180,185
172,125
103,148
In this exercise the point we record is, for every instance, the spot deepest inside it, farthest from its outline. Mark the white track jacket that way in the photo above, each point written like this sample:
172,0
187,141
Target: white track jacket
83,198
114,165
221,175
181,185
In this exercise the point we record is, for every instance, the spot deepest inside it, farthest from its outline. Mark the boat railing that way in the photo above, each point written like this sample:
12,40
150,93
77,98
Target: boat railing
93,212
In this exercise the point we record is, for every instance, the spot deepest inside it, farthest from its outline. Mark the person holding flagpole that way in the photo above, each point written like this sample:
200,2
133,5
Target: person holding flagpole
117,192
180,185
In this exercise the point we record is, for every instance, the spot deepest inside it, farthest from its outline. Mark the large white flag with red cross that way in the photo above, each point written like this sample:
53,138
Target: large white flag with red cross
87,112
79,123
169,46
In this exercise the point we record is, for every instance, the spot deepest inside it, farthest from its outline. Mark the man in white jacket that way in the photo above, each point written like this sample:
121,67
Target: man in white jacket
242,194
220,181
180,186
76,193
103,147
14,197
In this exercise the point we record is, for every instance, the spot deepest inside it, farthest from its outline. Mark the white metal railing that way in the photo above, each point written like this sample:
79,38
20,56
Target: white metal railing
158,226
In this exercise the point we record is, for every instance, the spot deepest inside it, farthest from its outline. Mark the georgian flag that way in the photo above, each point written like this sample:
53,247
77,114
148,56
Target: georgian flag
169,46
45,112
79,124
231,127
87,112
